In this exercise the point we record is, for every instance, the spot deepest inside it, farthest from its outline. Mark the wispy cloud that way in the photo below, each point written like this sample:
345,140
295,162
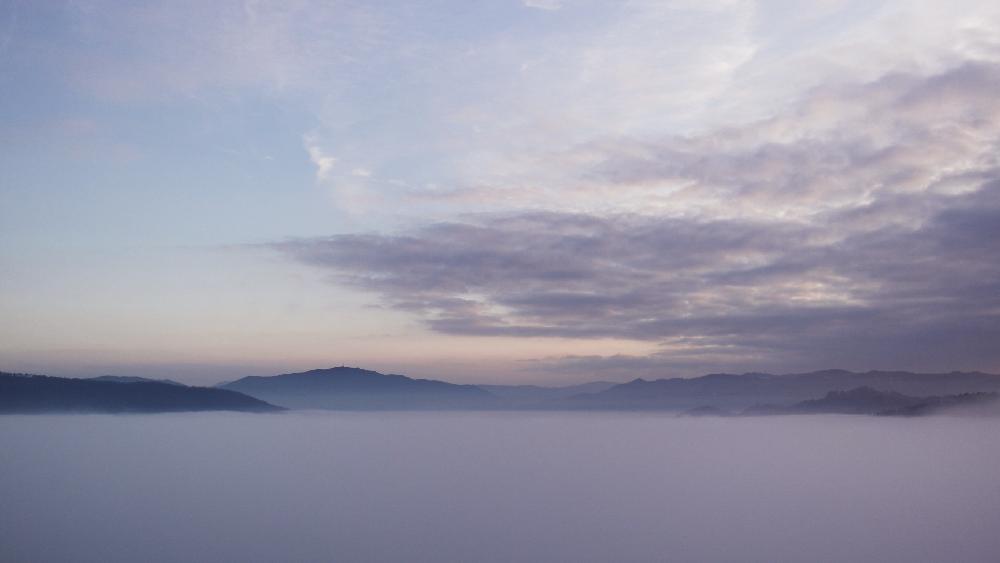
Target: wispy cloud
550,5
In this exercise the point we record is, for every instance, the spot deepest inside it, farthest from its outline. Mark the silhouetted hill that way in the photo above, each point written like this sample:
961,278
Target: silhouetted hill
865,400
735,392
348,388
532,395
358,389
132,379
42,394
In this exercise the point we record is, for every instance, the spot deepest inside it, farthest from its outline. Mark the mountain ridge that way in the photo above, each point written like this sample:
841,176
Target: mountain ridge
27,393
354,388
866,400
351,388
132,379
738,391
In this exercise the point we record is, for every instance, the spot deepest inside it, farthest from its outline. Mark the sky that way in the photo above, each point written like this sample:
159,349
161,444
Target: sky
536,191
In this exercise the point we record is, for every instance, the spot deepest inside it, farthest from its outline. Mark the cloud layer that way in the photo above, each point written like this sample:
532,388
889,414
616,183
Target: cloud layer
859,229
729,183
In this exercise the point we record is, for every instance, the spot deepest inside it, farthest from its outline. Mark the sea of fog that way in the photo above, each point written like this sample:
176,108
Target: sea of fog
483,487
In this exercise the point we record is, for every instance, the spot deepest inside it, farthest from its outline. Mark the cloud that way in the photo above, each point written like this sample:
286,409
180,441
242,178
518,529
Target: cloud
705,290
858,230
549,5
839,147
154,53
324,162
643,74
502,114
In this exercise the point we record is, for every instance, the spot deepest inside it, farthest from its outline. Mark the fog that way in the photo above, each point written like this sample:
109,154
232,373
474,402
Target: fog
437,487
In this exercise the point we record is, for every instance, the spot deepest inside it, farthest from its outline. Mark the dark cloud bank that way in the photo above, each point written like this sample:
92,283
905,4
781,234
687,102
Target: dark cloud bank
861,229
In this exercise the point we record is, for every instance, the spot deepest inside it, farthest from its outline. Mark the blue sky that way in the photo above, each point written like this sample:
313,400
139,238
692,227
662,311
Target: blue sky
544,190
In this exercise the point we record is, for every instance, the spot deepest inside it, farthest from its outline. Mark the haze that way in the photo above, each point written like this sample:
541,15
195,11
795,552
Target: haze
434,487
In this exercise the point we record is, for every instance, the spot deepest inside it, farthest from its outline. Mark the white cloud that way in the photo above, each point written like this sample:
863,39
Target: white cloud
323,161
550,5
485,113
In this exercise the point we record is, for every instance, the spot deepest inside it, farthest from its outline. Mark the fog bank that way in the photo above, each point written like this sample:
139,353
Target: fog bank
326,486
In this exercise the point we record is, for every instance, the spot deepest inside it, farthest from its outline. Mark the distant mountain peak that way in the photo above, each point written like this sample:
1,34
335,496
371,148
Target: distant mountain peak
338,369
353,388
